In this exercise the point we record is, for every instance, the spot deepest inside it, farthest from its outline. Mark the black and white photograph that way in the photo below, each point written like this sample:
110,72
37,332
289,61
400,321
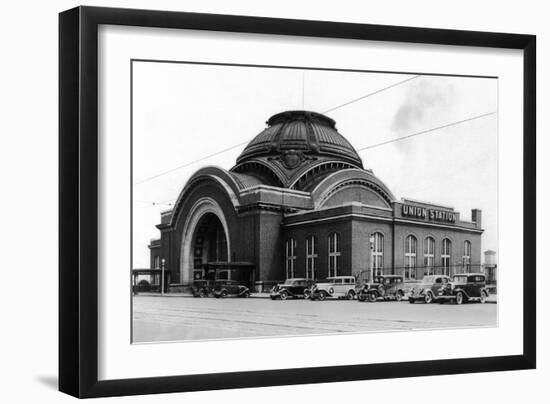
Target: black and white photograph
210,201
272,201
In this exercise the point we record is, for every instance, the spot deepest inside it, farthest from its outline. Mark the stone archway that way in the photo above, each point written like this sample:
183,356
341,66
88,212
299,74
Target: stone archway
205,238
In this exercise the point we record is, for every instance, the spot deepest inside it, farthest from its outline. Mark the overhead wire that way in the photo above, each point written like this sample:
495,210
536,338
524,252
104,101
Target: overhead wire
426,131
147,179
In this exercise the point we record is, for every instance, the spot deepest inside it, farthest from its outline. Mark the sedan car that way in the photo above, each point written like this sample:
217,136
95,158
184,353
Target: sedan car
230,288
337,286
464,288
384,287
293,287
426,291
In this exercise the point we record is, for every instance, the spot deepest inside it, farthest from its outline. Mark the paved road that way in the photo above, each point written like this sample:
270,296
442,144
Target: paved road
170,318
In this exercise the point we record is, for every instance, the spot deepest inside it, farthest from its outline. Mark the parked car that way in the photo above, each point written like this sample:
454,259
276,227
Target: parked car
201,288
464,288
297,288
227,288
335,287
427,290
386,287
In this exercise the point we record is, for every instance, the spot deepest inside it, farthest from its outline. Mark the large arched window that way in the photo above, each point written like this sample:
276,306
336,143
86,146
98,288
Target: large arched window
466,257
410,257
429,255
333,254
446,256
378,253
290,252
311,256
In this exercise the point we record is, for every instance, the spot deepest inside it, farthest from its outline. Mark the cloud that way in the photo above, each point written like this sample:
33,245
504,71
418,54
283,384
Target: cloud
426,97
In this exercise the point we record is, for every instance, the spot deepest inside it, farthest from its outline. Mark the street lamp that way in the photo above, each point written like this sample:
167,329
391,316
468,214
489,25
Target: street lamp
162,261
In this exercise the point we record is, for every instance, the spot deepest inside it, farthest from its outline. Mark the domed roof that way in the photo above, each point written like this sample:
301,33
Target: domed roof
305,133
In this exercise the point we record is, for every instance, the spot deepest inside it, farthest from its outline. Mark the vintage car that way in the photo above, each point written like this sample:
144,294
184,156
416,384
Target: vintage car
426,291
384,287
464,288
293,287
341,287
201,288
225,288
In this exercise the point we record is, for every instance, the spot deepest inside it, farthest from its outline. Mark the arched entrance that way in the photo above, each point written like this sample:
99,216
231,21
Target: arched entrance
209,243
205,239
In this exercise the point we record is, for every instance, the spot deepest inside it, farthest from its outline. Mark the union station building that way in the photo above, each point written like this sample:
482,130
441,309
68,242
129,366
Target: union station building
299,203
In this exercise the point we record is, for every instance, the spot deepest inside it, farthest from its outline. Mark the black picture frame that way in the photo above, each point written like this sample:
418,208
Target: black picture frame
78,201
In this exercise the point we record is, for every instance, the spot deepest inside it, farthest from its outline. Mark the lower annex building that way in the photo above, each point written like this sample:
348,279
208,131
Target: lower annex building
298,203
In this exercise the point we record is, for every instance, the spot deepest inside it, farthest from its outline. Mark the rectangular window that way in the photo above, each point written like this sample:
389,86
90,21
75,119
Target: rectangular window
378,254
429,256
466,257
446,257
333,254
410,257
311,256
290,249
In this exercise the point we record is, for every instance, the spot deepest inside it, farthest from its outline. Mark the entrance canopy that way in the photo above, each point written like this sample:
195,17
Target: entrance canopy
241,271
228,265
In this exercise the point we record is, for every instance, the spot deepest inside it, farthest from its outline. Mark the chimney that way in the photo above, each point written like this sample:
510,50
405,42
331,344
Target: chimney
476,217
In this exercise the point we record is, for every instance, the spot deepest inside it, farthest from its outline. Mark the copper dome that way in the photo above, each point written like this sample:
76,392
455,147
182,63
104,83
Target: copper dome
304,132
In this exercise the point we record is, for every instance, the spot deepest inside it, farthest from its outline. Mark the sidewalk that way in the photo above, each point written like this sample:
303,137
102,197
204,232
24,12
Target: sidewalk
173,294
491,299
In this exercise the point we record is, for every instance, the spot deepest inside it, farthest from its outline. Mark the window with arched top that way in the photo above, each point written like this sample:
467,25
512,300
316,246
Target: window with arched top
290,253
410,257
429,255
333,254
446,257
311,256
378,253
466,256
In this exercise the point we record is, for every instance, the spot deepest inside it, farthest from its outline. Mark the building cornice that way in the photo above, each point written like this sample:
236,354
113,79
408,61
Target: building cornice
361,216
439,225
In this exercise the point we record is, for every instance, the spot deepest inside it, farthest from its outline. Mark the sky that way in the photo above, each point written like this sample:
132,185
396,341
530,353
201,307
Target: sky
184,112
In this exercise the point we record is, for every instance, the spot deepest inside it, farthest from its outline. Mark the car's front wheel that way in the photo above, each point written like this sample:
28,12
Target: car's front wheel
459,298
284,295
350,295
246,294
322,295
428,297
484,297
372,297
224,293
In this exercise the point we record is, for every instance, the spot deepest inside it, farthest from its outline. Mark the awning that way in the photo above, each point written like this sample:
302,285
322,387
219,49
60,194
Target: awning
228,265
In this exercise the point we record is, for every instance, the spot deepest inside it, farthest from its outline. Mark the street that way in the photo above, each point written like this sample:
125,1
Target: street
173,318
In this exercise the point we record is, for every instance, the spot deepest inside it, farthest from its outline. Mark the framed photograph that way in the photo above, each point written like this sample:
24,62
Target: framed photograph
251,202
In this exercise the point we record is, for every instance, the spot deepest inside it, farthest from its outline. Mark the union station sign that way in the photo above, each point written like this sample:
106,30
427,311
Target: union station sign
428,213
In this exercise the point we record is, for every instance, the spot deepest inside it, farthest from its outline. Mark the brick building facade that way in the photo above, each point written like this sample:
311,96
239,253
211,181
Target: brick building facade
298,203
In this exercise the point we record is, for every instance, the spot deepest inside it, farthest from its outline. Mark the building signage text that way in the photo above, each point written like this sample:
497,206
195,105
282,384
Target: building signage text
430,214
